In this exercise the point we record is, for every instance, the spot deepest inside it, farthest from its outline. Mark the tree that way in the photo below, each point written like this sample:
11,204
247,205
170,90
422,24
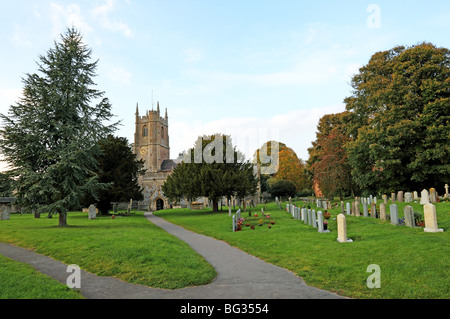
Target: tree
328,162
118,167
400,119
6,185
50,136
212,168
283,188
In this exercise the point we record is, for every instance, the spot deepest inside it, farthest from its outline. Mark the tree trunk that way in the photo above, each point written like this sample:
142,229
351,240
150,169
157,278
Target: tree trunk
62,219
215,205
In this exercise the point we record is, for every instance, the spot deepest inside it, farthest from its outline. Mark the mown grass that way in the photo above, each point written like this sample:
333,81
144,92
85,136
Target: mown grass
128,247
21,281
414,264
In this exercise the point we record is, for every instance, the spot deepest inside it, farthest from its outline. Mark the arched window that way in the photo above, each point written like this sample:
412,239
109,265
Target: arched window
162,133
145,131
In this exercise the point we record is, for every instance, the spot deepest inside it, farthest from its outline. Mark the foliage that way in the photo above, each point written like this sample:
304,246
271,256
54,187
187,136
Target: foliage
50,135
6,185
219,171
283,188
399,120
119,167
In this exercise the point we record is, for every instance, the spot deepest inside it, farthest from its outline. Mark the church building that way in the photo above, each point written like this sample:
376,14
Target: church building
151,143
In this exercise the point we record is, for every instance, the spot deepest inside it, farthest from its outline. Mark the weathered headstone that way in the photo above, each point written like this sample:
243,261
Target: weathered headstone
373,210
92,212
5,213
310,218
342,207
348,208
446,191
424,197
314,220
342,229
382,211
415,195
393,197
394,214
385,198
400,196
408,212
433,195
320,223
408,197
430,219
357,211
365,210
234,223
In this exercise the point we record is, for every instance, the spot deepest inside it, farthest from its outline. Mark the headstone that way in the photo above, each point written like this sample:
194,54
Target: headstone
373,210
320,223
229,207
385,198
342,229
408,212
430,219
310,220
383,211
394,214
304,215
342,207
392,197
314,220
433,195
400,196
5,213
408,197
424,197
357,212
375,199
415,195
234,223
365,210
348,208
92,212
446,191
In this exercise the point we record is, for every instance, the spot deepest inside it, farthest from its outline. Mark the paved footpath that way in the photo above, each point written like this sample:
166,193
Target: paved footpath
239,275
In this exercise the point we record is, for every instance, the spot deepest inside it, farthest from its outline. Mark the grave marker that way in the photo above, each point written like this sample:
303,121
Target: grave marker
408,211
342,229
424,197
430,219
394,214
320,223
383,211
92,212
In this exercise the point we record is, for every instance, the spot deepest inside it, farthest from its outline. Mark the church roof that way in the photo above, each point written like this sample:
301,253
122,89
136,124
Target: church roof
168,165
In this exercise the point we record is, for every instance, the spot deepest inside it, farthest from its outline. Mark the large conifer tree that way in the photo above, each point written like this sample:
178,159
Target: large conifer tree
50,136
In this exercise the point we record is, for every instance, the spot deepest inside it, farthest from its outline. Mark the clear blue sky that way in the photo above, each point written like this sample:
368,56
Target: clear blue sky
255,69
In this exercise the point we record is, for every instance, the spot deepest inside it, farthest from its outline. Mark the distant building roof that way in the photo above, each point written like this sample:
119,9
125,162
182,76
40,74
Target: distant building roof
168,165
7,200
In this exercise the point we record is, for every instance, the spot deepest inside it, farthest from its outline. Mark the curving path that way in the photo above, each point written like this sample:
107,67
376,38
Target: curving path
240,275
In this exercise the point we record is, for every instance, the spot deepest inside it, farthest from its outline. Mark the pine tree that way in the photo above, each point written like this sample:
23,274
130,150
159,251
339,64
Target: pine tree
50,136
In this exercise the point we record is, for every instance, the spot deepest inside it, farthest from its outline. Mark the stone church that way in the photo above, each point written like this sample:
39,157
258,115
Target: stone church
151,143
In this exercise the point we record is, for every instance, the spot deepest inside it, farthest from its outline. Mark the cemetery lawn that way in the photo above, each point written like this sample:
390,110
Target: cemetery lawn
413,264
129,248
21,281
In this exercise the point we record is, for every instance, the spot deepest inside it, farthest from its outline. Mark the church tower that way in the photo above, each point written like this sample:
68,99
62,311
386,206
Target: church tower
151,139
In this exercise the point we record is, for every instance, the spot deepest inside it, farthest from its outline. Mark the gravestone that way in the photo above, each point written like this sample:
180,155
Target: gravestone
394,214
375,199
92,212
400,196
342,207
357,212
383,211
373,210
234,223
415,195
342,229
408,197
424,197
304,215
433,195
310,220
430,219
446,191
5,213
314,220
365,210
408,212
320,223
392,197
385,200
348,208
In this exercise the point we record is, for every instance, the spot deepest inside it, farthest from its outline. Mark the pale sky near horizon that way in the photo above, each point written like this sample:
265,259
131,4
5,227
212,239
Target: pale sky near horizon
255,69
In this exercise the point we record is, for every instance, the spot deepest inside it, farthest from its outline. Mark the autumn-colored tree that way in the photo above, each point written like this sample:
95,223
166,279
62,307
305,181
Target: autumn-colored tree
399,120
328,163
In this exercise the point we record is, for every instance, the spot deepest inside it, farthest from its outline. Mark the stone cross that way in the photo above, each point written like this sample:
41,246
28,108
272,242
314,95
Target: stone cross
429,211
408,211
92,212
394,214
342,229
